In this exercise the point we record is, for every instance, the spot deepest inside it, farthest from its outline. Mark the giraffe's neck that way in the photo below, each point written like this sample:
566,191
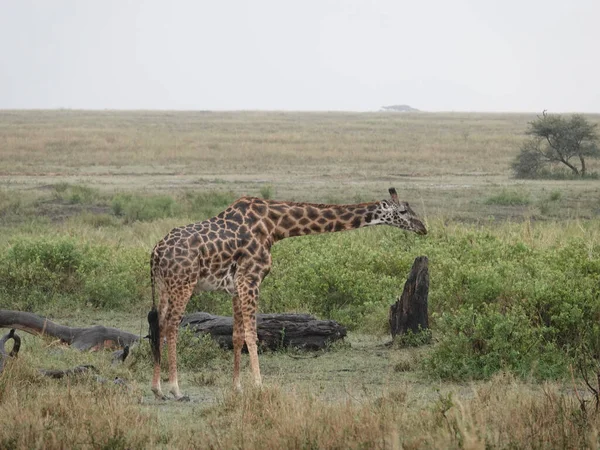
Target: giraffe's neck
300,219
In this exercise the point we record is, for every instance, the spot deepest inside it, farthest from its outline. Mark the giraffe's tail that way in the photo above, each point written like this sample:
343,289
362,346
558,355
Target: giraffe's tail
153,325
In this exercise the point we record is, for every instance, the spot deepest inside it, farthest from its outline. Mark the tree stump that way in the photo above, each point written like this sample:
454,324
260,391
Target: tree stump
410,310
301,331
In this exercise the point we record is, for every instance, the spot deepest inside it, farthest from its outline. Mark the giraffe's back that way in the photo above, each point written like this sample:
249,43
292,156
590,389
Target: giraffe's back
206,253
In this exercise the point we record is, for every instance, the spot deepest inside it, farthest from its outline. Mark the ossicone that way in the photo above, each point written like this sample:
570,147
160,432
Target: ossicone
394,195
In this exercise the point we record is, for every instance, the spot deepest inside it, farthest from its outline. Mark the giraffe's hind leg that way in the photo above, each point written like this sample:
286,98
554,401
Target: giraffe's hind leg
161,332
238,341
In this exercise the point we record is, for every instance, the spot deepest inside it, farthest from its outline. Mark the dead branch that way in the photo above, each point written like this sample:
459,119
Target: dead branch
15,349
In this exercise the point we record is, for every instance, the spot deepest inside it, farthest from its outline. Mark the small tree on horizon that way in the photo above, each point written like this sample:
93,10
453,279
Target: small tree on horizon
556,139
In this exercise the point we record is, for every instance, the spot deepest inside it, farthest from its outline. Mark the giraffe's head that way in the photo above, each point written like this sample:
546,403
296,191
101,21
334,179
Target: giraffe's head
398,214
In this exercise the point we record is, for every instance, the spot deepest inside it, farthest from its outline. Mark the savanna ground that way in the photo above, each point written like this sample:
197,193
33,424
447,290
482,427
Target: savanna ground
514,266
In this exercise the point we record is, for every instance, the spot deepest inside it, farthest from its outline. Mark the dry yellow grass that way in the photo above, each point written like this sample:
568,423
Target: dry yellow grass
205,142
81,413
446,163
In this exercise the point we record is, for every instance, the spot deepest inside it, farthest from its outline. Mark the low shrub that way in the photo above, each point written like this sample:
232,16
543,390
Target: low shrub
135,207
203,205
199,206
75,193
477,343
41,274
509,198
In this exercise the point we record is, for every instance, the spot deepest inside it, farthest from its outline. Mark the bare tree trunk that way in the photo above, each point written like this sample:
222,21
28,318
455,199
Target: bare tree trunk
582,159
570,166
410,310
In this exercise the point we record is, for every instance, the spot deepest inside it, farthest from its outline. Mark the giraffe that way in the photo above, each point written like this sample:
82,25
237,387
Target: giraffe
231,252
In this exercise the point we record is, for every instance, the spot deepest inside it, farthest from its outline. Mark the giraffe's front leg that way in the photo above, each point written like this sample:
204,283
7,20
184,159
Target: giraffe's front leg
174,315
238,341
172,332
156,389
248,293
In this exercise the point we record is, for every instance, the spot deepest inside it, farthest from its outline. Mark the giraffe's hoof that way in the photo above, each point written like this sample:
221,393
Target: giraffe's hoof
183,398
160,396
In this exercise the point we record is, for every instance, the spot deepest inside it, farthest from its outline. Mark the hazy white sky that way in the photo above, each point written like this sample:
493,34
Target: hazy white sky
461,55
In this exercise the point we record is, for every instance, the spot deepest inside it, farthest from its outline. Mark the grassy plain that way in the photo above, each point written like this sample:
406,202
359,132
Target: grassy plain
446,164
85,195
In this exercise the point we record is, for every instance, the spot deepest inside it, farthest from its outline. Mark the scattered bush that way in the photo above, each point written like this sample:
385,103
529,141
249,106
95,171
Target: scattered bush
198,206
75,193
204,205
411,339
509,198
266,192
135,207
555,196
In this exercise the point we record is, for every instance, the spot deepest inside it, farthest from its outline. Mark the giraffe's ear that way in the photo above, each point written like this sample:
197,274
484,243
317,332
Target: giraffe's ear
394,195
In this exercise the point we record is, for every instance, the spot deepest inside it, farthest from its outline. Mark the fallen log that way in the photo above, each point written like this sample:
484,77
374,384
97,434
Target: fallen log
409,313
89,338
58,373
301,331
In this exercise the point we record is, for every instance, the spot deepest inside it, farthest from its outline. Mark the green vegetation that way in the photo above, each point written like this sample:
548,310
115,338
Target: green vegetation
509,198
49,274
266,192
529,291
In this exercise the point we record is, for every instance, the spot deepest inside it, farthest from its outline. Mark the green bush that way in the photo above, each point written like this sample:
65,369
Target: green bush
509,198
39,274
338,276
267,191
413,339
555,195
204,205
49,266
75,193
479,342
138,208
199,206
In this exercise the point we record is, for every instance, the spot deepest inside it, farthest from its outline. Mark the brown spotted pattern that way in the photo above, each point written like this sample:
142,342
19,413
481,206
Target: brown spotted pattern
232,252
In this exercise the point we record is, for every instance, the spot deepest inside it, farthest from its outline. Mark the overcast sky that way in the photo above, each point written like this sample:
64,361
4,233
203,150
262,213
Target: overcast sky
435,55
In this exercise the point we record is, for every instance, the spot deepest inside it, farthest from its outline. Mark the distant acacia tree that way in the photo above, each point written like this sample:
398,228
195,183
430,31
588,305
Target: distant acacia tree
555,139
